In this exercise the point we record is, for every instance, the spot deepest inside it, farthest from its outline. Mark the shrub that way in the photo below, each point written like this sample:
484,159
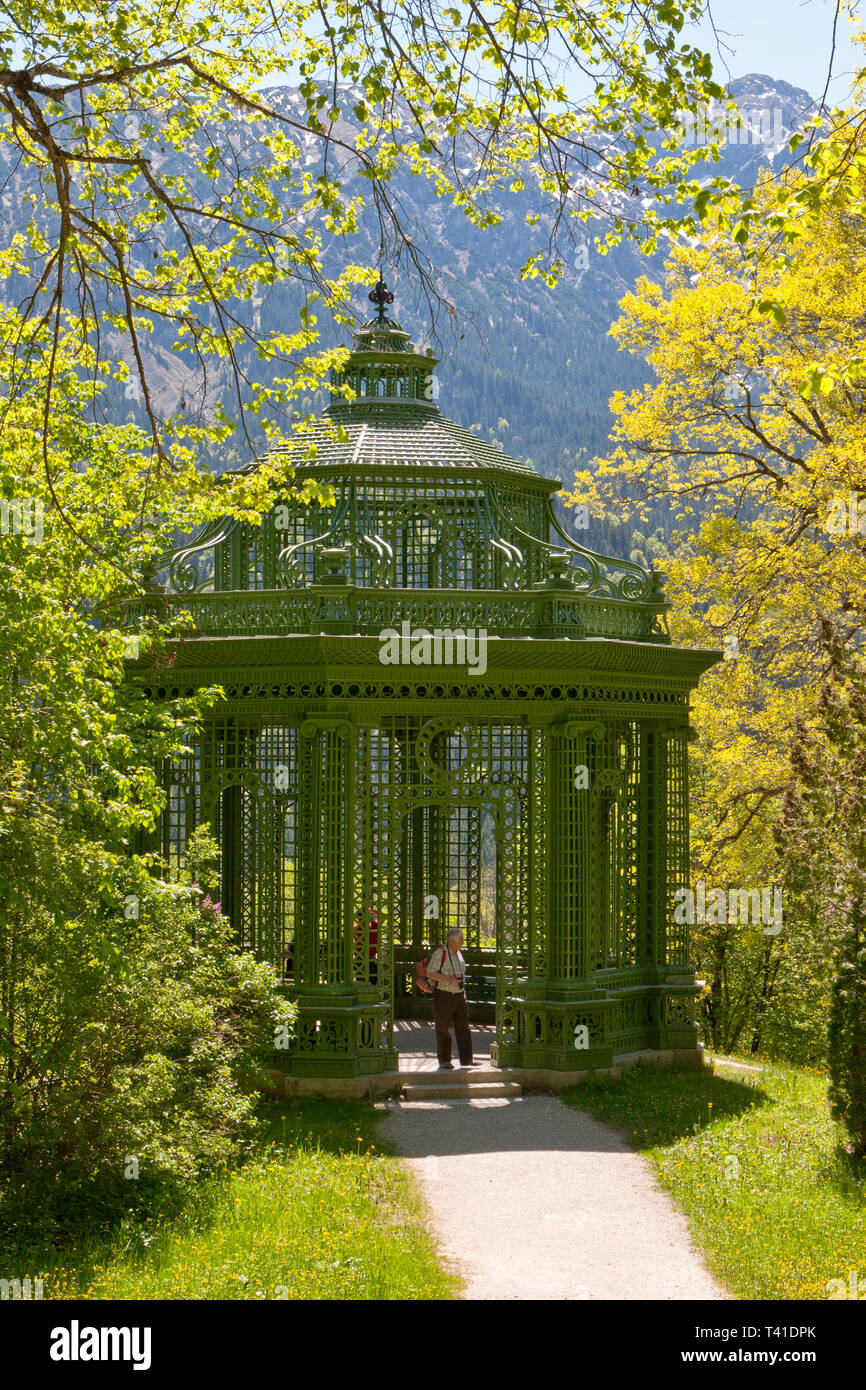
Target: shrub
131,1053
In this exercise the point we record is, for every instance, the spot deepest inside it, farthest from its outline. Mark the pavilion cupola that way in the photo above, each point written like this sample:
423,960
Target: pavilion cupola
384,364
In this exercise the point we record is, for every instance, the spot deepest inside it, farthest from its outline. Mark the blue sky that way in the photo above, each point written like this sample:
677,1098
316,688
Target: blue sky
788,39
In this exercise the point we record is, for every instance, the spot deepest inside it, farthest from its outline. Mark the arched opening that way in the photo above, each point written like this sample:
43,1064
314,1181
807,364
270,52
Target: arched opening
445,875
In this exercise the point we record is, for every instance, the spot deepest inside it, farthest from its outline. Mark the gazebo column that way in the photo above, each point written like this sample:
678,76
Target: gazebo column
651,812
663,859
561,1023
677,987
569,830
342,1022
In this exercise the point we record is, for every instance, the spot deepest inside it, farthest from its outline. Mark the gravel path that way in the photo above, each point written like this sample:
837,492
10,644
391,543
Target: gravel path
534,1200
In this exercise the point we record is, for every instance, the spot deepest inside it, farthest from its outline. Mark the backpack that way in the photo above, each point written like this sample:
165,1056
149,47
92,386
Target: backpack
426,986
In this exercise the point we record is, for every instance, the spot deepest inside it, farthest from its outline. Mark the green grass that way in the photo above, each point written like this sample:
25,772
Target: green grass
757,1164
321,1212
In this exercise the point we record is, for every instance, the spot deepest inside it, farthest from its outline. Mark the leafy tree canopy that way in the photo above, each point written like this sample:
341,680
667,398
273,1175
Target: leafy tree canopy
168,191
730,438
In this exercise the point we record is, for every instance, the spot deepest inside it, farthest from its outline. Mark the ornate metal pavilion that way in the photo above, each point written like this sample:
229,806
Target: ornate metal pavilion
441,710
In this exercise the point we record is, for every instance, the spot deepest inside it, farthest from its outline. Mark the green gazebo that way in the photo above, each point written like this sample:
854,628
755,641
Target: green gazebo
440,710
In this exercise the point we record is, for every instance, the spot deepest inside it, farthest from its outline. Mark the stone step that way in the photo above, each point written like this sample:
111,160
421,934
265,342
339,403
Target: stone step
462,1091
458,1077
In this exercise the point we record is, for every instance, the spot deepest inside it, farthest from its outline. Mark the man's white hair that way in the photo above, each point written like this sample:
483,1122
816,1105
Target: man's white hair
454,931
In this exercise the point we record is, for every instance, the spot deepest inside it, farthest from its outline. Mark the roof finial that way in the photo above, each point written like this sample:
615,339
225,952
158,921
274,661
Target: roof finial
380,296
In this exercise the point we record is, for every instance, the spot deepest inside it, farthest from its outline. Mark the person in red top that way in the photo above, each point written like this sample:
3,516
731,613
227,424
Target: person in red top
372,944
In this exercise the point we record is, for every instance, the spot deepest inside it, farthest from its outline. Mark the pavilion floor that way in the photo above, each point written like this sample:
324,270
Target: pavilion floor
416,1043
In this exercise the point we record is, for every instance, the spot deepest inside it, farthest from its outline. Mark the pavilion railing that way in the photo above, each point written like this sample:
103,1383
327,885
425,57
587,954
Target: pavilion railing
346,610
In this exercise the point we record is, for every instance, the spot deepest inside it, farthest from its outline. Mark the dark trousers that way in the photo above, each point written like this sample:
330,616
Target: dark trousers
449,1010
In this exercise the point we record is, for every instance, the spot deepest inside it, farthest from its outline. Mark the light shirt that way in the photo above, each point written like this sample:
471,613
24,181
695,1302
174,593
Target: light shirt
445,962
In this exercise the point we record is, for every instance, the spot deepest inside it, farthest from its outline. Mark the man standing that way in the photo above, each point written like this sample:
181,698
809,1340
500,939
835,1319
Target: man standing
447,969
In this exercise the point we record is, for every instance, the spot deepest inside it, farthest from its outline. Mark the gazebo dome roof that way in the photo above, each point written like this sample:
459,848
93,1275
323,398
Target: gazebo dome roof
383,398
382,335
398,435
